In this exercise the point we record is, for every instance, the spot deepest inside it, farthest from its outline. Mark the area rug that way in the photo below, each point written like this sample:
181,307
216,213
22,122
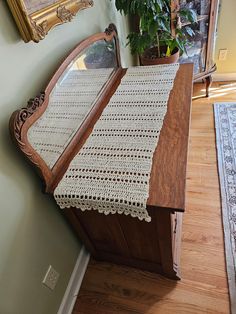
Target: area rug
225,124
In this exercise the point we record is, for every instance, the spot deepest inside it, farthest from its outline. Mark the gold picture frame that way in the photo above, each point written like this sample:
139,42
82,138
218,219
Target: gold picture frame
35,18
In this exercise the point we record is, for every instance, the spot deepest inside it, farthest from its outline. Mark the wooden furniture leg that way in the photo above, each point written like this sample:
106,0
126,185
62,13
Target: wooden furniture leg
208,84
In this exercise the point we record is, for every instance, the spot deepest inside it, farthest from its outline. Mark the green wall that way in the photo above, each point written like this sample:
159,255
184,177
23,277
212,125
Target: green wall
33,234
226,37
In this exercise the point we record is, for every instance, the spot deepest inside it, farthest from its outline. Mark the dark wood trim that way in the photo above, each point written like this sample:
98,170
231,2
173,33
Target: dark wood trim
19,124
208,85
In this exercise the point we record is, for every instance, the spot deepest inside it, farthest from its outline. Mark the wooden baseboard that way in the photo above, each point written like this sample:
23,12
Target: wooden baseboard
73,287
222,77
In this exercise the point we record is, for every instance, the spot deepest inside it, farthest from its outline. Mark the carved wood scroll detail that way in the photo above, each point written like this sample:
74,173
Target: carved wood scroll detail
21,117
110,29
20,122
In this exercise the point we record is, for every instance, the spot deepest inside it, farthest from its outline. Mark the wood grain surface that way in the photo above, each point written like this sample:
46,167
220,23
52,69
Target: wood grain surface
111,289
168,177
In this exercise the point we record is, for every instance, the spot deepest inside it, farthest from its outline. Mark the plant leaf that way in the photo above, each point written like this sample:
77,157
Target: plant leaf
189,31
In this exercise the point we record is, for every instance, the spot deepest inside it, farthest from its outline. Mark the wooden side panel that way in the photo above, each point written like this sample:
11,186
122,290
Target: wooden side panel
168,176
165,240
104,231
141,238
122,235
125,240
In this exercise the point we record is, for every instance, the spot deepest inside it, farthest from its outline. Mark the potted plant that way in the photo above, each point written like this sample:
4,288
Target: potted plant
159,37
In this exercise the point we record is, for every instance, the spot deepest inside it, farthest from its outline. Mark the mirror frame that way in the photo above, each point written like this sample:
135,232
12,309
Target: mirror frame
21,120
35,26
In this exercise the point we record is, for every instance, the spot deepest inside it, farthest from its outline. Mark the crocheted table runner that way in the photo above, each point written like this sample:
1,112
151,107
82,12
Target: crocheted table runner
111,172
69,103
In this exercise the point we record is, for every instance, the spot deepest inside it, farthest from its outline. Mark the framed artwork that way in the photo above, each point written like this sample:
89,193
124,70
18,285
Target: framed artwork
35,18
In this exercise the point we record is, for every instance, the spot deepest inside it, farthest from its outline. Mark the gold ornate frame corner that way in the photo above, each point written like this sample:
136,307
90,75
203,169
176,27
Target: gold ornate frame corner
36,25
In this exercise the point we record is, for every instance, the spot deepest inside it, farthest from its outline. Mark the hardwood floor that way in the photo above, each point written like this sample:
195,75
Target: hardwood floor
111,289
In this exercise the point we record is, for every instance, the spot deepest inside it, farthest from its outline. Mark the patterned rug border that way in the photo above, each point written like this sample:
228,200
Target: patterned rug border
231,269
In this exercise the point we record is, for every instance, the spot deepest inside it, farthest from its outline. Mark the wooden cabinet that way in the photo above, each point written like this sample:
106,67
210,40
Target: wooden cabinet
200,49
155,245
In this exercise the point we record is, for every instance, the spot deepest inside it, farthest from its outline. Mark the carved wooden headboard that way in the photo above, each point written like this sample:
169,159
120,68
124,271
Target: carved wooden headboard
99,56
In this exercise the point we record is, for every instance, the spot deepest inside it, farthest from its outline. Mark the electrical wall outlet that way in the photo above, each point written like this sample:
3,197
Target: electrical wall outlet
223,54
51,278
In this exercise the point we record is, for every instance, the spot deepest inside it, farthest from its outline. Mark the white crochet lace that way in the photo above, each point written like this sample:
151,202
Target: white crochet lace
111,172
69,103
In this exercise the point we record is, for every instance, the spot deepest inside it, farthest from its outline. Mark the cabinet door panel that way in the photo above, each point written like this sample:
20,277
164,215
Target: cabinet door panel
196,50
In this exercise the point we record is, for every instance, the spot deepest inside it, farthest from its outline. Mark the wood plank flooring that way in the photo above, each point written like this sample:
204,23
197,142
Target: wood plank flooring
111,289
